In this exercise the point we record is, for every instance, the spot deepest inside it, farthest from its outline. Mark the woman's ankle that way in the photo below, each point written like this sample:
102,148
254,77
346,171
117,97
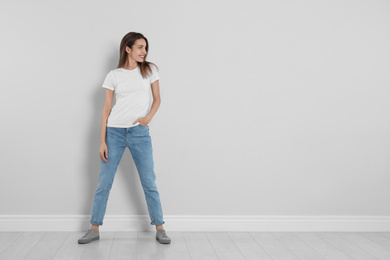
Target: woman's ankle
159,227
95,227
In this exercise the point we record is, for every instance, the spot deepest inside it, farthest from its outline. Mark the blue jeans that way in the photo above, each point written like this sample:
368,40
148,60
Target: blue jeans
139,142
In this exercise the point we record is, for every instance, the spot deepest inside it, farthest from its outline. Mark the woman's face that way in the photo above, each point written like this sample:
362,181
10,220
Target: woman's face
138,50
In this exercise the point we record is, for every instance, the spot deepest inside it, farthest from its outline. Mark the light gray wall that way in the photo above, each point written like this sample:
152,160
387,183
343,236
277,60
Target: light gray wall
268,107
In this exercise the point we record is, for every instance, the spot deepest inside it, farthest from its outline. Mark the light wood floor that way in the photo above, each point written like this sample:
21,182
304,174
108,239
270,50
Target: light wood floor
197,245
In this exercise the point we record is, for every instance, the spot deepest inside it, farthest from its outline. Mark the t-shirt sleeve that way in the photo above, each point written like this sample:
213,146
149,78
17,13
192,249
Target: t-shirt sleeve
154,75
109,81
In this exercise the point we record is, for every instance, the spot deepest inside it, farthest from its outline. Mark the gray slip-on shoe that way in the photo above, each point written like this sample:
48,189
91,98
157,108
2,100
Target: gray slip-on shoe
90,236
162,237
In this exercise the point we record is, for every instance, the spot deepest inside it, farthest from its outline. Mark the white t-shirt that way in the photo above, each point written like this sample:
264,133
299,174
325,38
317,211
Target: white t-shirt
133,95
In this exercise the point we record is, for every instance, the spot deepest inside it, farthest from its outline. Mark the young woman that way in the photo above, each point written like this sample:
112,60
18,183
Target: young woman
133,82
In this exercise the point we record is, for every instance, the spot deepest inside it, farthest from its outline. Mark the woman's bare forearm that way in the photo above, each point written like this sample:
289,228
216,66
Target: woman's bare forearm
105,115
155,105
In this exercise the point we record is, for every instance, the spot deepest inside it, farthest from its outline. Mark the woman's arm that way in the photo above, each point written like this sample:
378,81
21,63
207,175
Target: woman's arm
106,112
156,100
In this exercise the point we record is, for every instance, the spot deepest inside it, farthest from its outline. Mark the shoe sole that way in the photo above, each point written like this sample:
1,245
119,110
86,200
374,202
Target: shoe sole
88,241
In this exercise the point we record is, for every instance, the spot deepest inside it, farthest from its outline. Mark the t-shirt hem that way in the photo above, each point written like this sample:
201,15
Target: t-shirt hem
121,126
154,80
105,86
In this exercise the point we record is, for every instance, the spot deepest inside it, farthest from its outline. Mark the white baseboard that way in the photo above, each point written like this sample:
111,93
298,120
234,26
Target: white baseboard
204,223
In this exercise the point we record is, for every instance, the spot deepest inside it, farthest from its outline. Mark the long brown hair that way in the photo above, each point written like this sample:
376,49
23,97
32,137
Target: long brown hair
129,40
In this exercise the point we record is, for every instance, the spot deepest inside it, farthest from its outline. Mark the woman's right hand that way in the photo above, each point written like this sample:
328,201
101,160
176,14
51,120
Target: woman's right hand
104,152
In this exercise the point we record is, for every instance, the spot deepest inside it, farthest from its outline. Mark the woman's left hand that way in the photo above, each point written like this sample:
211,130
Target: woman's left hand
144,121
